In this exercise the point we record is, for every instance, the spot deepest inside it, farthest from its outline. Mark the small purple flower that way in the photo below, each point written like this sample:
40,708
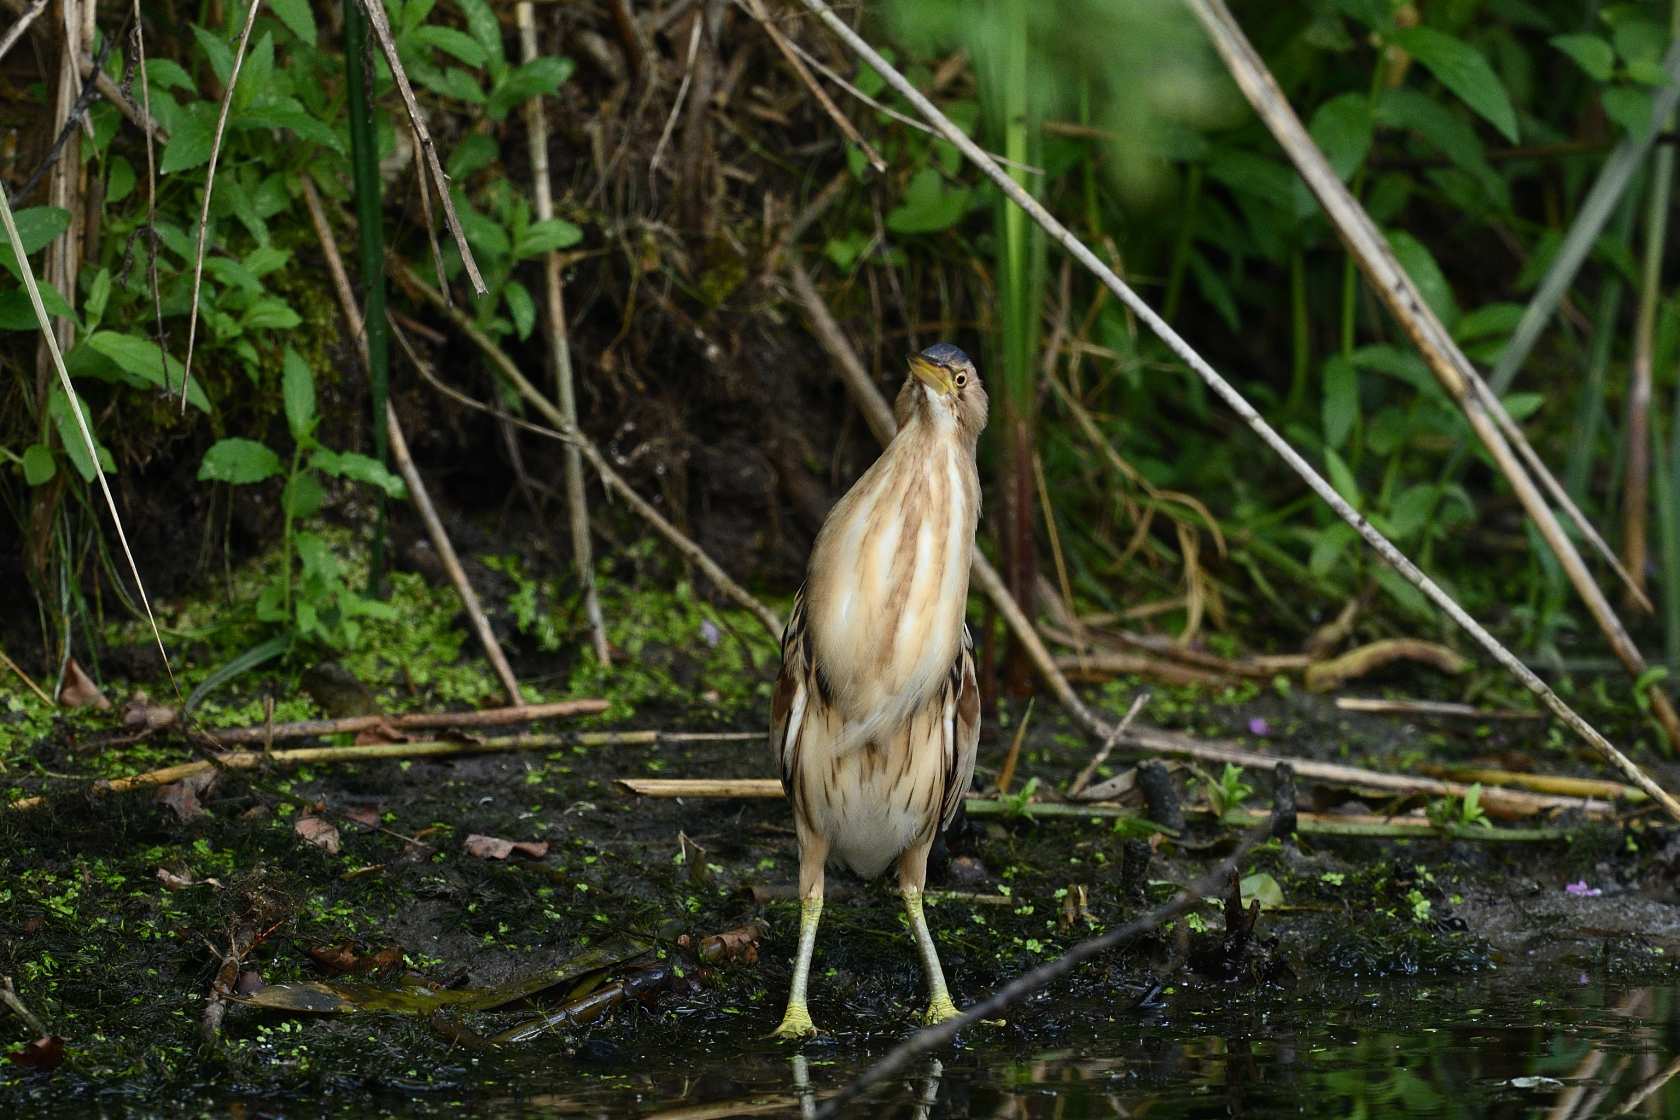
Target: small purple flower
1258,726
1584,979
1583,890
709,633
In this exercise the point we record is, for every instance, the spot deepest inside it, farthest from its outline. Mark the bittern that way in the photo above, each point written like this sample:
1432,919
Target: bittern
876,712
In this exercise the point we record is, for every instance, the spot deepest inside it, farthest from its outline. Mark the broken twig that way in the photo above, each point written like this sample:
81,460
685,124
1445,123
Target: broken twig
1084,778
414,721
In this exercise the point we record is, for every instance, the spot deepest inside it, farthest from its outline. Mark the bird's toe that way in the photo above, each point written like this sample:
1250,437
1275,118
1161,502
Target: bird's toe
940,1010
796,1026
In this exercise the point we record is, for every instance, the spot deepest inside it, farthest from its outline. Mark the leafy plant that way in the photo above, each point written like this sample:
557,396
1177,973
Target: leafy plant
312,598
1229,792
1451,813
1015,804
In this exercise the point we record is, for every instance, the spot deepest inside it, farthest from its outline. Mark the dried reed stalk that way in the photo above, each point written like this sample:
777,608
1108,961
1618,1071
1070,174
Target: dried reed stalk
577,505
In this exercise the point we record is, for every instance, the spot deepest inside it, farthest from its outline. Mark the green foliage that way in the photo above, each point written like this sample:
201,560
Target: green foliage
1449,813
314,601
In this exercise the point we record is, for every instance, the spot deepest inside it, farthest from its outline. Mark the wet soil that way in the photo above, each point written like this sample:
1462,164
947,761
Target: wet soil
1419,973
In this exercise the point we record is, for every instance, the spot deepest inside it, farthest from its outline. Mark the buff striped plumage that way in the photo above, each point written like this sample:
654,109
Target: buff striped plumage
876,714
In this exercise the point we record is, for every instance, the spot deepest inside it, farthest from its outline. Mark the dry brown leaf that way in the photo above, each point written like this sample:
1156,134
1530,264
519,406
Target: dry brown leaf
175,882
384,733
733,945
79,690
494,847
364,818
321,833
43,1054
183,796
140,714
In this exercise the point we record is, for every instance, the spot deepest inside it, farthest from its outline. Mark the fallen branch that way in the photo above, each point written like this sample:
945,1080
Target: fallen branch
932,1038
1094,668
252,760
1239,404
14,1003
17,29
569,433
1084,778
24,677
1328,675
1428,708
1591,788
488,717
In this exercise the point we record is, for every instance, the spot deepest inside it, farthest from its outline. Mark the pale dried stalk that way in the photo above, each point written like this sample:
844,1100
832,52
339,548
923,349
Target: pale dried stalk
682,95
755,8
388,47
22,25
1235,400
209,185
577,505
567,431
405,465
149,127
1085,775
51,342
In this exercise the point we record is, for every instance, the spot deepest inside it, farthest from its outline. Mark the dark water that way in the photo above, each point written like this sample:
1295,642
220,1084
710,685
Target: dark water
1499,1045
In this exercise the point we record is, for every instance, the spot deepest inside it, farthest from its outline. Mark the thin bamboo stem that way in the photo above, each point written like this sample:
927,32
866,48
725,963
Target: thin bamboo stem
565,430
1252,76
577,506
486,717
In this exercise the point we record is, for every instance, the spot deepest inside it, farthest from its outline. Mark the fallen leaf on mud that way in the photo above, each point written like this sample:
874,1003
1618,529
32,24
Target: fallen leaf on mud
366,818
321,833
43,1054
733,945
342,957
183,796
249,982
175,882
384,733
35,924
79,690
494,847
141,714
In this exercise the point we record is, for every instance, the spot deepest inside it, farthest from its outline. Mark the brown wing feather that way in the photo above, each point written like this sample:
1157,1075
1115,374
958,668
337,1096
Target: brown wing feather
965,730
791,683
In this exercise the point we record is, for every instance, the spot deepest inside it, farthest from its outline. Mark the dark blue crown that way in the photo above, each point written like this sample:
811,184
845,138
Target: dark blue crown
946,355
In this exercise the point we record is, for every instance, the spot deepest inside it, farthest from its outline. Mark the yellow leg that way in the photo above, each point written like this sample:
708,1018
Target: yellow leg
796,1023
940,1007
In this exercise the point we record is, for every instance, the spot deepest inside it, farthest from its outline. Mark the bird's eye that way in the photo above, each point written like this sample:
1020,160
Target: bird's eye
961,380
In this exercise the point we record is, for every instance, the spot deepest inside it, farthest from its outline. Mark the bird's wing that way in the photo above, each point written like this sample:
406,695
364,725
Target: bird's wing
962,734
789,702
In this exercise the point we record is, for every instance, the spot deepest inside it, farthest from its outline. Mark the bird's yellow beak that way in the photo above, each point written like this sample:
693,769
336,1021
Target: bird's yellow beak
933,375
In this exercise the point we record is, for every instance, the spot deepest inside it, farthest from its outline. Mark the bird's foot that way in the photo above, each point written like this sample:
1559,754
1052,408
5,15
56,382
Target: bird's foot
796,1025
939,1010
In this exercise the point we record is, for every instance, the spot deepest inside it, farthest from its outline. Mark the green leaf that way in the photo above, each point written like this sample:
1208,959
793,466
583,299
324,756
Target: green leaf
191,138
119,180
358,468
38,465
297,389
540,77
1590,53
70,434
482,25
451,42
1214,290
1494,319
239,462
217,52
1431,282
1327,550
1452,136
928,206
1261,887
1341,477
37,227
1628,107
1461,68
99,294
303,495
167,74
1407,597
1412,509
1342,128
141,356
1523,405
261,261
521,307
541,237
270,313
288,112
17,313
474,153
1341,399
297,17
